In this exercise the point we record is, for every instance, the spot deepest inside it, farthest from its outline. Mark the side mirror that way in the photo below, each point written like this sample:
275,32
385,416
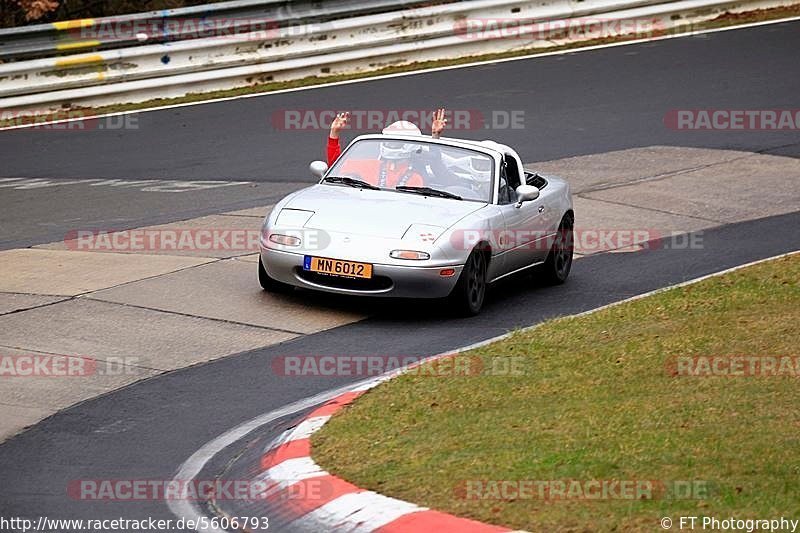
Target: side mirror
318,168
526,193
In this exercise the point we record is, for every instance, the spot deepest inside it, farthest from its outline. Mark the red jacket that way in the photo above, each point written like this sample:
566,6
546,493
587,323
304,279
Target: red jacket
333,150
369,170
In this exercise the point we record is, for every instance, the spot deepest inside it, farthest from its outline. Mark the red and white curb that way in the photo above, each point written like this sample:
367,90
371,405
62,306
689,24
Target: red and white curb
294,481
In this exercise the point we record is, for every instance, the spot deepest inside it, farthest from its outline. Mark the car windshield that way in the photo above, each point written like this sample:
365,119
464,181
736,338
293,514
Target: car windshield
414,167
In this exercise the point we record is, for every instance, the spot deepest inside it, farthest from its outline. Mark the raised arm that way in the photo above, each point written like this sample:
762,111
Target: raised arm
334,148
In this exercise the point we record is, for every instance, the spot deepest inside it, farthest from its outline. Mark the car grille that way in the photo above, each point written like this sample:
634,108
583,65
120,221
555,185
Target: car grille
376,283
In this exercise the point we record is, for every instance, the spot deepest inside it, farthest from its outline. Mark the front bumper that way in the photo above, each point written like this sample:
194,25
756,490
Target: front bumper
388,280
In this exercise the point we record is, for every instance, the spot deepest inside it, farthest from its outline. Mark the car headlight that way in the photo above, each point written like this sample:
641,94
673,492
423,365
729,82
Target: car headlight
286,240
412,255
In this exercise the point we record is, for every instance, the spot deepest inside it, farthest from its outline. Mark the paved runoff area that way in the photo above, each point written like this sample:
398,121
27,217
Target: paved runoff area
95,312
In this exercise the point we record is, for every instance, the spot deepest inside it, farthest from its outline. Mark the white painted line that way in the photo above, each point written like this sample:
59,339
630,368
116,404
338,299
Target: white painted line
280,441
307,427
377,381
413,72
153,185
288,473
303,430
361,512
192,467
678,285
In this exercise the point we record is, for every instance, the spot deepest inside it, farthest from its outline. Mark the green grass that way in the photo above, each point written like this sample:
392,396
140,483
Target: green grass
724,20
597,402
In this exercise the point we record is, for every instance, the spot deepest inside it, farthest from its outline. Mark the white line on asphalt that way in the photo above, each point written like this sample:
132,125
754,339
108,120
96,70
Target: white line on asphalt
306,428
287,473
192,467
156,185
413,72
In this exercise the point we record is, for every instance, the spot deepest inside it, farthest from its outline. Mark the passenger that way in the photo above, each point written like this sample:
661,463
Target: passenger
393,167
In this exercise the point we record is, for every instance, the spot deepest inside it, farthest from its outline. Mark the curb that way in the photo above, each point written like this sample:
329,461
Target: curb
317,501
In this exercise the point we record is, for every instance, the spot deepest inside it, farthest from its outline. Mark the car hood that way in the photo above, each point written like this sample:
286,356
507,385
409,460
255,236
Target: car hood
386,214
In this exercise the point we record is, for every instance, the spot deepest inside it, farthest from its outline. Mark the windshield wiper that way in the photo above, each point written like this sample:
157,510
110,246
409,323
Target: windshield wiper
427,191
352,182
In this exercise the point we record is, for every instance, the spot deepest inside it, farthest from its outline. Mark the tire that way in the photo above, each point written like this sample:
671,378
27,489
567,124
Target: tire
470,290
558,264
269,284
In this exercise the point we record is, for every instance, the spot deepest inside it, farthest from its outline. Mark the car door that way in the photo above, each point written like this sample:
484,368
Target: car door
525,227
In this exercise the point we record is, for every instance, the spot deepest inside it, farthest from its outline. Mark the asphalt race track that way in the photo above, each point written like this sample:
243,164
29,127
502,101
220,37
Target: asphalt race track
147,430
574,104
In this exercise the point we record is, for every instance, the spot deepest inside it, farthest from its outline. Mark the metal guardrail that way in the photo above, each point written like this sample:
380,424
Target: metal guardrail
233,17
312,43
343,46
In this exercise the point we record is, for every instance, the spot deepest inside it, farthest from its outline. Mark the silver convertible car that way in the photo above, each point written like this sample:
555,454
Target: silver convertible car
416,217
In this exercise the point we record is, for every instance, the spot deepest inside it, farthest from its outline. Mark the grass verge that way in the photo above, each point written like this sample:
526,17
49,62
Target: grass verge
599,400
722,21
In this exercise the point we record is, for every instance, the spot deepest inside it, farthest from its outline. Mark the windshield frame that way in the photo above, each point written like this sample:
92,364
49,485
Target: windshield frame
490,153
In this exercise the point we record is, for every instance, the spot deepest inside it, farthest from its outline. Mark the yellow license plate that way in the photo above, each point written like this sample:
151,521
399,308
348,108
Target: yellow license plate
337,267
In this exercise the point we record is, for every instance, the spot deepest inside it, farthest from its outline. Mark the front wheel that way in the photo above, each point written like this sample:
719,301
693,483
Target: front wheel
470,290
558,264
269,284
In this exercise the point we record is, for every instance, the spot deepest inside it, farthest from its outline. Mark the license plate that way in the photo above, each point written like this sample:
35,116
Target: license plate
337,267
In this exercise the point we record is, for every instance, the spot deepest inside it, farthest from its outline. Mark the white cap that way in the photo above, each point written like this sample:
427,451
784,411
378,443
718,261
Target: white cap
402,127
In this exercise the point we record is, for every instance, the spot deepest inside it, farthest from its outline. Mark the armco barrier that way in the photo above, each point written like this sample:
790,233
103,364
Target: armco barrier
349,45
40,40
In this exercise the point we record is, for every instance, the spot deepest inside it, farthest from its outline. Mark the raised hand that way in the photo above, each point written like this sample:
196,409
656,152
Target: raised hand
338,123
439,123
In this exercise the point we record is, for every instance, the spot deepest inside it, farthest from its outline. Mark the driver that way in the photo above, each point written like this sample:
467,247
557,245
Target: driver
394,164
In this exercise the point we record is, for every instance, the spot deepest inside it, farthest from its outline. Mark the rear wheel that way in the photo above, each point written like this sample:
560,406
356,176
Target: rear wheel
470,290
558,264
269,284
